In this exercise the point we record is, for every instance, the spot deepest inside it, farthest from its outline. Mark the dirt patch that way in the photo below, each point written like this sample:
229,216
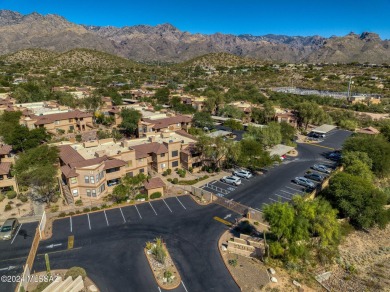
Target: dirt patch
368,256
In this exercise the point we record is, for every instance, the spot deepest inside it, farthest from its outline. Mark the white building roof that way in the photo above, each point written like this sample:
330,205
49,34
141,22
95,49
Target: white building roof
323,129
280,150
219,133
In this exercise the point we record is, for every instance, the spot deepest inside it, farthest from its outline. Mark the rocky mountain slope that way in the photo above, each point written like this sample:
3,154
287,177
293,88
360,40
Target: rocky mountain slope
167,43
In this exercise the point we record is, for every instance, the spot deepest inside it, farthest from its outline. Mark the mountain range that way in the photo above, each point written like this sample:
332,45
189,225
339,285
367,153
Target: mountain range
168,44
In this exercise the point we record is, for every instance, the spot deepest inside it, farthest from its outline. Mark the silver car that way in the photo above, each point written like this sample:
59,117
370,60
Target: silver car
8,229
321,168
242,173
233,180
304,182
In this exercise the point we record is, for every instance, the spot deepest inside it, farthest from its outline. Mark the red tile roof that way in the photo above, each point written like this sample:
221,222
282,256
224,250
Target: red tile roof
48,119
68,155
88,162
68,172
154,183
148,148
185,134
112,163
166,122
5,149
5,167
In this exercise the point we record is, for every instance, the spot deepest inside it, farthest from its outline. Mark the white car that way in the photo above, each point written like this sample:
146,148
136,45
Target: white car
233,180
242,173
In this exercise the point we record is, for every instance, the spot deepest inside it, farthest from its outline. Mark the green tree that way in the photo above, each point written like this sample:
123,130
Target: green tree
234,125
133,184
288,133
119,193
377,148
36,169
202,120
162,95
357,199
93,102
310,113
130,119
252,155
358,164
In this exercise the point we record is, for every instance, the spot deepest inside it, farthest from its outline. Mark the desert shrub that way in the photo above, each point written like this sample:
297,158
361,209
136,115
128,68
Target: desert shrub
54,208
78,203
168,274
71,213
141,196
175,180
2,197
86,210
74,272
190,169
11,195
233,262
94,208
23,198
159,252
155,195
169,179
169,171
181,172
62,214
7,207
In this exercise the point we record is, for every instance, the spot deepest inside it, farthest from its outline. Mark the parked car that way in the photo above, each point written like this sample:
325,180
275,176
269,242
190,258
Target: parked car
8,229
233,180
316,135
335,156
242,173
315,176
299,180
321,168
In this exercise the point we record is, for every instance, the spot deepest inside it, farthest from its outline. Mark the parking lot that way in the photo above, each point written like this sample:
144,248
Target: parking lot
276,184
109,245
146,212
14,252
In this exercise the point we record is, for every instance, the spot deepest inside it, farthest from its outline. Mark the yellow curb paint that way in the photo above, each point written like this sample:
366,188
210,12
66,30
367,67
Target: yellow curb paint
222,221
70,241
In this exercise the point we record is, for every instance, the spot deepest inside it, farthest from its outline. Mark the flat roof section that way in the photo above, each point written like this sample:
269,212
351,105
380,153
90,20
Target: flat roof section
280,150
323,129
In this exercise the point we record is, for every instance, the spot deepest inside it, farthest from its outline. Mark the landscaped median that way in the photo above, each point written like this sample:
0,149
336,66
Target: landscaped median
164,270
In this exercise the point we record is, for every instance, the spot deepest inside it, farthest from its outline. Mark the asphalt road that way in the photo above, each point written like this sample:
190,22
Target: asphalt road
110,245
14,252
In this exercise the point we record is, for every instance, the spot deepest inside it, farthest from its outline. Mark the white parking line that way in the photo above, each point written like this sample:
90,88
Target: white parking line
213,182
273,200
298,191
180,203
184,286
265,204
152,208
167,205
123,216
105,215
16,233
159,288
70,219
138,211
283,197
225,183
258,210
89,222
287,192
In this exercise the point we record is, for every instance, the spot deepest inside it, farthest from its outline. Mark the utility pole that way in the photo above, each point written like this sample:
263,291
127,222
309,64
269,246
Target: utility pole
349,86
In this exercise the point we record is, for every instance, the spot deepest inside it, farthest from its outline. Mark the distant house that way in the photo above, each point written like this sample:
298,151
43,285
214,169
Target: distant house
154,185
7,181
368,131
148,126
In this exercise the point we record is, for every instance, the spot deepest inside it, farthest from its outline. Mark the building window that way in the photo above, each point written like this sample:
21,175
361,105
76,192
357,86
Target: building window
56,122
86,179
175,153
130,163
88,193
115,169
141,170
75,193
1,177
162,155
93,193
73,180
102,188
175,163
92,179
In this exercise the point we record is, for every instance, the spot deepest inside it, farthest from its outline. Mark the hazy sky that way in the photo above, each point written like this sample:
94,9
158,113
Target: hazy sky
290,17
